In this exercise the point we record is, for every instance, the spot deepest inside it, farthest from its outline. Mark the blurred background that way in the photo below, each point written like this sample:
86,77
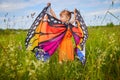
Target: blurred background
102,47
20,14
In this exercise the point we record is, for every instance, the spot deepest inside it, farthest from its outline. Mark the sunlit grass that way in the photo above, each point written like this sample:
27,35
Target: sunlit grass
102,53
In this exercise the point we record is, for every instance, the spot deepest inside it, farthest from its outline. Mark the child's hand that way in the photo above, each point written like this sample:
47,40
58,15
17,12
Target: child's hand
48,4
75,11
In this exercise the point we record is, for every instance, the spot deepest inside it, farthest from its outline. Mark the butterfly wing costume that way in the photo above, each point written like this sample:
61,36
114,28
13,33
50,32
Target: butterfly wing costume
44,37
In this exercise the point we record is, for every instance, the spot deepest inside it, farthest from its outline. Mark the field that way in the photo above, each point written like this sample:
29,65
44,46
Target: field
102,53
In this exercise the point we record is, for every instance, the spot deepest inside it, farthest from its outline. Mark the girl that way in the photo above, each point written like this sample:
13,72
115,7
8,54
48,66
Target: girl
47,33
66,50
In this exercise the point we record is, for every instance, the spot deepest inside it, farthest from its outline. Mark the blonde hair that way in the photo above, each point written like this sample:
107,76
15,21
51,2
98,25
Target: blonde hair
67,13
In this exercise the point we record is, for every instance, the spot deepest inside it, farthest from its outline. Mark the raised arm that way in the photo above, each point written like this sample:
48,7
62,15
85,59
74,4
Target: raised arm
51,10
74,18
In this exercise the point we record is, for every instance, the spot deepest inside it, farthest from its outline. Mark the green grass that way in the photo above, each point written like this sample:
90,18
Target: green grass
102,53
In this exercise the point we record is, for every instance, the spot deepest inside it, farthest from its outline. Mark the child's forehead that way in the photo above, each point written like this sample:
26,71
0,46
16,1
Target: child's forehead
63,14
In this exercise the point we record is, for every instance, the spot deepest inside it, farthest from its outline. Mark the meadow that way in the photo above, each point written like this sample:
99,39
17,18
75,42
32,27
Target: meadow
102,58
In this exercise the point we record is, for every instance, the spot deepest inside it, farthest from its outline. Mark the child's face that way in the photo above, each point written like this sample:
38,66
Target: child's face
64,18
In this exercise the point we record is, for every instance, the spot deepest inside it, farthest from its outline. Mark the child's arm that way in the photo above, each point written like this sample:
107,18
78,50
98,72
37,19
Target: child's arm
74,18
51,11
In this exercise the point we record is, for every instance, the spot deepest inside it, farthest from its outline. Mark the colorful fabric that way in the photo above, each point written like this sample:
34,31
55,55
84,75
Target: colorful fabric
66,50
44,37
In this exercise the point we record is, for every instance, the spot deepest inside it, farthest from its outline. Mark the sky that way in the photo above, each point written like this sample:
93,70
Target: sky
17,13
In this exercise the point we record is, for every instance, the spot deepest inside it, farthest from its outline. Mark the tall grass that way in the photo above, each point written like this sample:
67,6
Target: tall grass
102,53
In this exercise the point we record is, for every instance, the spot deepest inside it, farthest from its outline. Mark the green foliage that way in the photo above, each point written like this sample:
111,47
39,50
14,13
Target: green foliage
110,24
102,53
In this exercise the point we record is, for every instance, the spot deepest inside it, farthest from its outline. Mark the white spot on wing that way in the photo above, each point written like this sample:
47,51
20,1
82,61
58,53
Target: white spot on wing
55,21
30,36
34,27
52,19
